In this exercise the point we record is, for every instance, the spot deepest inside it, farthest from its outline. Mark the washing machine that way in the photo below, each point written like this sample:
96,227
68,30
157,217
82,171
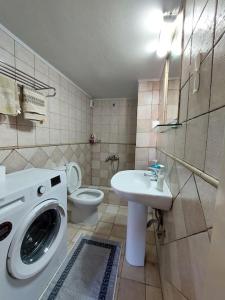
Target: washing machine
33,231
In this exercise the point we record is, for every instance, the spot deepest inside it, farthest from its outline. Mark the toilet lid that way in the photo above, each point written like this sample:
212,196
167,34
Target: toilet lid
73,173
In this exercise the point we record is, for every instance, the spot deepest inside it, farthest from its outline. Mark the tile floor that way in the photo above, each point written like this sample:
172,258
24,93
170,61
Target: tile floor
142,283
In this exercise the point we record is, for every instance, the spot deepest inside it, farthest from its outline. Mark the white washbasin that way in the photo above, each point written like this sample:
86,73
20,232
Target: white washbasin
140,192
134,186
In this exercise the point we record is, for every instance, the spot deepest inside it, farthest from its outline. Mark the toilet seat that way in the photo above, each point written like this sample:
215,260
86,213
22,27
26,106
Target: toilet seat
86,196
74,177
77,195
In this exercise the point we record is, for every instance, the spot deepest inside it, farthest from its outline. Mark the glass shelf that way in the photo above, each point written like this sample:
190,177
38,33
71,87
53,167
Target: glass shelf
162,128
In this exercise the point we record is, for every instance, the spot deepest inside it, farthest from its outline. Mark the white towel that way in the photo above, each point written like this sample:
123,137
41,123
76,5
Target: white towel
9,99
34,105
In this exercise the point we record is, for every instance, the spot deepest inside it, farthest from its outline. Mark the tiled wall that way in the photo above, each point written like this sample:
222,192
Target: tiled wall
68,123
102,171
114,123
199,142
48,157
148,108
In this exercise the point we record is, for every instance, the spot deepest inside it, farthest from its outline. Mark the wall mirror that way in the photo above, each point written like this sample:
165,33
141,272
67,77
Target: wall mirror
170,81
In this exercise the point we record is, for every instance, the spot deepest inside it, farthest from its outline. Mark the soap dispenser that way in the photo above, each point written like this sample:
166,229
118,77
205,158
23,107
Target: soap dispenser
160,180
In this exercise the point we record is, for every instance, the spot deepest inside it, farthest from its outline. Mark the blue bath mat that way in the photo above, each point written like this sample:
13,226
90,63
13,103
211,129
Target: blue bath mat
88,273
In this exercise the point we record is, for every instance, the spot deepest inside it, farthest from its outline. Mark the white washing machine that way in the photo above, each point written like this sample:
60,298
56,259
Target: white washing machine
33,231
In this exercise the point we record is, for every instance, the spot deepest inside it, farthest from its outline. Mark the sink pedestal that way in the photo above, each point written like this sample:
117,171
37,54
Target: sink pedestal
136,233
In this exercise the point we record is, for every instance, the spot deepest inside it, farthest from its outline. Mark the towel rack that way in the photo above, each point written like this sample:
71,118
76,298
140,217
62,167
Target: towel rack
24,79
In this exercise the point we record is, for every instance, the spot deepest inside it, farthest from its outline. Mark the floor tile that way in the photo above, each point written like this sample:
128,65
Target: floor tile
153,293
133,273
152,274
108,218
71,232
123,210
119,231
113,209
102,207
131,290
104,228
151,254
122,243
150,237
142,283
121,220
88,227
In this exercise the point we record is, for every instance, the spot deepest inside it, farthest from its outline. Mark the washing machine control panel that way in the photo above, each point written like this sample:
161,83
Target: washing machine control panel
55,180
41,190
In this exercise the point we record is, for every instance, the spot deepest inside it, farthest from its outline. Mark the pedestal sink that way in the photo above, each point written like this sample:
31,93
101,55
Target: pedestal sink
140,192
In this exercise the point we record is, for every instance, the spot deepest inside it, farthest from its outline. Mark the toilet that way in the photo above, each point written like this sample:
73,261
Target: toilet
84,201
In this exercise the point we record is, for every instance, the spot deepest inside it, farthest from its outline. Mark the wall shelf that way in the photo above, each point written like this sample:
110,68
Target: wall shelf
23,79
162,128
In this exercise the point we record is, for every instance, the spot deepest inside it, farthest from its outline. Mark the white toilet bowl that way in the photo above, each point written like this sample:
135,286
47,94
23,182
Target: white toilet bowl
84,201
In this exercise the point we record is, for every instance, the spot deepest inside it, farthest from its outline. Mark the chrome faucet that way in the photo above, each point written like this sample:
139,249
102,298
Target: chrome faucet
153,175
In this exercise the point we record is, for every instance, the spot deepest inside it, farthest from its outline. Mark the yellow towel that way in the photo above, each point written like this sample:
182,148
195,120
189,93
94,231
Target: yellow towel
9,99
34,105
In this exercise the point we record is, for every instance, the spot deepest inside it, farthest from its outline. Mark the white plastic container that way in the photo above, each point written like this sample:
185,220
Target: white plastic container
2,173
160,182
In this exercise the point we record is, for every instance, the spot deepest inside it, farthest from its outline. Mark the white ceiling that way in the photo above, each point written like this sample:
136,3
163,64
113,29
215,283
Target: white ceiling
99,44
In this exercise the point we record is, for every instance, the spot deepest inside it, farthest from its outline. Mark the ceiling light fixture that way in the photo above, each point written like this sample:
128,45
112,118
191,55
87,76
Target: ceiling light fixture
176,47
152,47
152,21
166,34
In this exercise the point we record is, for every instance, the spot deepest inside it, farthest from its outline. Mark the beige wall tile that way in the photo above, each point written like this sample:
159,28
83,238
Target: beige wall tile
199,102
188,21
196,138
144,112
24,54
180,138
202,40
146,139
42,136
141,165
144,126
218,88
6,42
199,247
4,154
220,21
145,98
14,162
192,208
198,8
141,154
207,194
184,102
7,57
8,135
174,221
186,61
145,86
215,142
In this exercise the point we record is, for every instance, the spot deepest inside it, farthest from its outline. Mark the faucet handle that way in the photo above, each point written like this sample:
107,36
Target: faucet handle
146,174
153,170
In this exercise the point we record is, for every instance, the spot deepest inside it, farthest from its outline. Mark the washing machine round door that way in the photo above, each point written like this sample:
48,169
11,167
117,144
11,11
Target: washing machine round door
38,237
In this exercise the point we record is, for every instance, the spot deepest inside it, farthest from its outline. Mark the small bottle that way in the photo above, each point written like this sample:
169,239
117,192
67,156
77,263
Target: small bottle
160,181
92,139
2,173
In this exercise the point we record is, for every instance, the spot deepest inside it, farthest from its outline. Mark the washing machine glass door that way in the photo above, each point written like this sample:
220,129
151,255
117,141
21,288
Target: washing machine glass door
37,239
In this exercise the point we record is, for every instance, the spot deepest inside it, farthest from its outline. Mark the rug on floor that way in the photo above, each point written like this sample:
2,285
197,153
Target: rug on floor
88,273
